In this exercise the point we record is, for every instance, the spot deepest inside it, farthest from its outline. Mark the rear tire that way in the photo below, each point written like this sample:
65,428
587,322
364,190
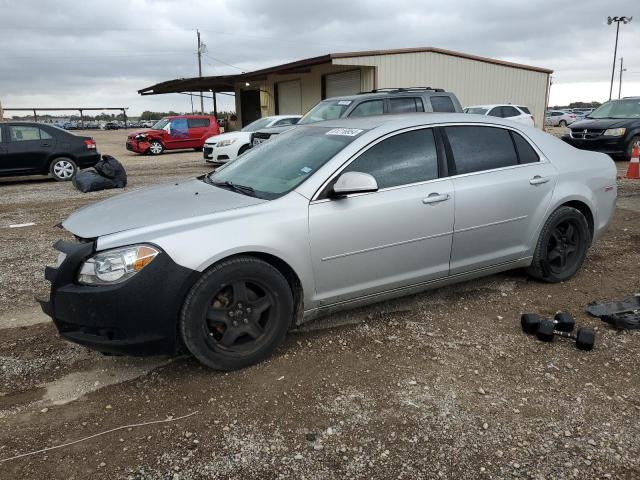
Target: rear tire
237,313
155,147
562,246
63,169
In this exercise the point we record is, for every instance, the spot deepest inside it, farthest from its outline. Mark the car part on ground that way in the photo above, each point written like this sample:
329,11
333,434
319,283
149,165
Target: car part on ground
310,206
564,322
106,174
585,338
623,314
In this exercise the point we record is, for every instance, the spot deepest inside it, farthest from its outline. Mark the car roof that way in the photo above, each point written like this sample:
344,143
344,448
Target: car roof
389,93
492,105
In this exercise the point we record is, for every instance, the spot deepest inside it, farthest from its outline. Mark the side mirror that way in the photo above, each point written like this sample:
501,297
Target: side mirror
354,182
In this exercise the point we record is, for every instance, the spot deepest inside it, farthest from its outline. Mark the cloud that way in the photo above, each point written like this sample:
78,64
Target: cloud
101,52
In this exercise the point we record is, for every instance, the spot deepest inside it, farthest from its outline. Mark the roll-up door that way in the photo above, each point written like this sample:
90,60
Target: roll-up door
345,83
289,97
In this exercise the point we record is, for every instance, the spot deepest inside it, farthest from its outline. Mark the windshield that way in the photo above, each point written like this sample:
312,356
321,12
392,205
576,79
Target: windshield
329,110
280,165
617,109
160,124
476,110
257,125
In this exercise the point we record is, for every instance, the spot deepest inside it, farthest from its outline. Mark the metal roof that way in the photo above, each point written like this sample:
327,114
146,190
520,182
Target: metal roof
226,83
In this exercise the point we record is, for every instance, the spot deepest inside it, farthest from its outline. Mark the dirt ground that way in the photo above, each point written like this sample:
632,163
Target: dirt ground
438,385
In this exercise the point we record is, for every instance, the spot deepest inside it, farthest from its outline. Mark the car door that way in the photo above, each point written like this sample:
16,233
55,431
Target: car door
503,188
3,150
28,148
198,130
397,236
177,134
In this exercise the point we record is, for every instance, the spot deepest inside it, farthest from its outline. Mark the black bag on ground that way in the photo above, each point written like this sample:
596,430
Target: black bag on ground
111,168
91,181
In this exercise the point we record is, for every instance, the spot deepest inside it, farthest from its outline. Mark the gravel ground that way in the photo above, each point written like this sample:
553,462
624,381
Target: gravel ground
437,385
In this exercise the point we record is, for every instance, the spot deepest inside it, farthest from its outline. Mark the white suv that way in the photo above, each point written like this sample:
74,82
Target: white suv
517,113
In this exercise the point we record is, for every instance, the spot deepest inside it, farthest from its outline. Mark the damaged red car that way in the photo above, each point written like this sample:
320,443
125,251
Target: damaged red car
174,133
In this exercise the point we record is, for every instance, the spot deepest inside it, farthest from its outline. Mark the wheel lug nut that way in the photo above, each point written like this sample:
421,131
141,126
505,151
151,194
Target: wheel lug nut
245,321
235,324
248,309
239,305
231,314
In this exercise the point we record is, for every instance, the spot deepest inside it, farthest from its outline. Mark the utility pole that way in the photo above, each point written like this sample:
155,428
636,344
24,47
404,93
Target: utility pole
621,70
200,45
617,21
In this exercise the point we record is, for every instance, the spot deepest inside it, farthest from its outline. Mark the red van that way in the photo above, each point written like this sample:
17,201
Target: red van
174,133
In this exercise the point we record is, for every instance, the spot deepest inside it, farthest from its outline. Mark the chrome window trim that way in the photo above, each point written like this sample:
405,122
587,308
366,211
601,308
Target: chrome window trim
338,171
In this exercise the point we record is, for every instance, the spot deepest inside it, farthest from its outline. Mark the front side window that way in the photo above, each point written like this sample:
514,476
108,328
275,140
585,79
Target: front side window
23,133
405,158
283,163
326,110
442,104
481,148
372,107
405,105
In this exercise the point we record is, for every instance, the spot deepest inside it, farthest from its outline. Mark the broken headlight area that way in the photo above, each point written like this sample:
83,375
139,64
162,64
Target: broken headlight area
117,265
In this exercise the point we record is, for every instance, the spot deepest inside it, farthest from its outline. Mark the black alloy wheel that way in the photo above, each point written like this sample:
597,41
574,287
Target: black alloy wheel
562,246
237,313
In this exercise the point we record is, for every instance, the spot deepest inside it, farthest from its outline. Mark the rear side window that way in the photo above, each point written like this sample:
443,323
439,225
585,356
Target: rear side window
405,158
442,104
526,153
405,105
508,111
525,109
197,122
495,112
23,133
372,107
481,148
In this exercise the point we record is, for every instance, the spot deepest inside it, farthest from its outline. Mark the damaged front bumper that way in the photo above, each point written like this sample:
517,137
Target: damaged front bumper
135,317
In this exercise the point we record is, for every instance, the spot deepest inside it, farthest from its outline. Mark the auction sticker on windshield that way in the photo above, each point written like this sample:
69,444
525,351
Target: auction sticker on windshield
344,102
345,132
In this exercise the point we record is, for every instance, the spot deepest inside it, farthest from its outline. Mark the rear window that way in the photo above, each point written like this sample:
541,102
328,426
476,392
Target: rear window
197,122
481,148
442,104
405,105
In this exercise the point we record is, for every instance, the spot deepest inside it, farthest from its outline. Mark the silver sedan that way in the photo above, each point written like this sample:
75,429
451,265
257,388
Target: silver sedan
326,217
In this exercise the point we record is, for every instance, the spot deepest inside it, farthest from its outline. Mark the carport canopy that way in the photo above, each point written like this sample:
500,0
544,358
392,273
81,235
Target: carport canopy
223,83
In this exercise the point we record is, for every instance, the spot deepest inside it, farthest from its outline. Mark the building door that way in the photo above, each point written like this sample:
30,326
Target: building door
289,96
250,106
345,83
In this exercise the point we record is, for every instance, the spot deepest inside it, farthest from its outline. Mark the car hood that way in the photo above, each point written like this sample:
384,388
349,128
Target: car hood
601,123
229,136
274,130
154,205
143,131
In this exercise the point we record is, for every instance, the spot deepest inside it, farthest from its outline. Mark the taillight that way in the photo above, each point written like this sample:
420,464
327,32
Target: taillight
90,143
533,119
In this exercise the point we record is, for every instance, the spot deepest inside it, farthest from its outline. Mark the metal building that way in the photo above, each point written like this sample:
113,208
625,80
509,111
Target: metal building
297,86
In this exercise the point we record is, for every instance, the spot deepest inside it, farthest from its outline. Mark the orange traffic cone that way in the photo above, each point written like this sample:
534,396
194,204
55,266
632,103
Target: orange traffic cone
633,171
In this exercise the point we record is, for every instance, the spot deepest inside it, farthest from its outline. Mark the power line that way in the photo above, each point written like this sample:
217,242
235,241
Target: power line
223,62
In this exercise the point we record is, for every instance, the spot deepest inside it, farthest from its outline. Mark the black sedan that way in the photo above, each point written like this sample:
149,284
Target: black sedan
41,149
613,128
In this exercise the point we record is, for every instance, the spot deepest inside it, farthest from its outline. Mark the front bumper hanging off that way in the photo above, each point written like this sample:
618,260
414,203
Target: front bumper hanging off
136,317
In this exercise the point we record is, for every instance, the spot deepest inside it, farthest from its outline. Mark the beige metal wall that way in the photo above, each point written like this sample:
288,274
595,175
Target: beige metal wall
310,82
474,82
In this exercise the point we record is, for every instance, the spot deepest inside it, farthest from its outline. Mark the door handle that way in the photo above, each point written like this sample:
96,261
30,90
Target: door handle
45,145
537,180
435,198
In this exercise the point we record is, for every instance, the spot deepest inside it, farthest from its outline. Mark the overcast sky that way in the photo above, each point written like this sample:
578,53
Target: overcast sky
100,52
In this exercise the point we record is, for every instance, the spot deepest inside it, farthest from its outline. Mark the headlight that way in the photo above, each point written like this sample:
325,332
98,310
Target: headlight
116,266
141,136
615,132
226,143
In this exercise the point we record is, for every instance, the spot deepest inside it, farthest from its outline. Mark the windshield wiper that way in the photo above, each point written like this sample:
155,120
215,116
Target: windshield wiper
245,190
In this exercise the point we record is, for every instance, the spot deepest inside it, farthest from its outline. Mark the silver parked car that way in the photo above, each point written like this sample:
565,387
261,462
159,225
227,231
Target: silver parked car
326,217
559,118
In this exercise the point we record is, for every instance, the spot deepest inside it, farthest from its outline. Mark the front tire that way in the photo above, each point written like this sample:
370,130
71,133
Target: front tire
562,246
63,169
155,147
243,149
562,123
236,314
